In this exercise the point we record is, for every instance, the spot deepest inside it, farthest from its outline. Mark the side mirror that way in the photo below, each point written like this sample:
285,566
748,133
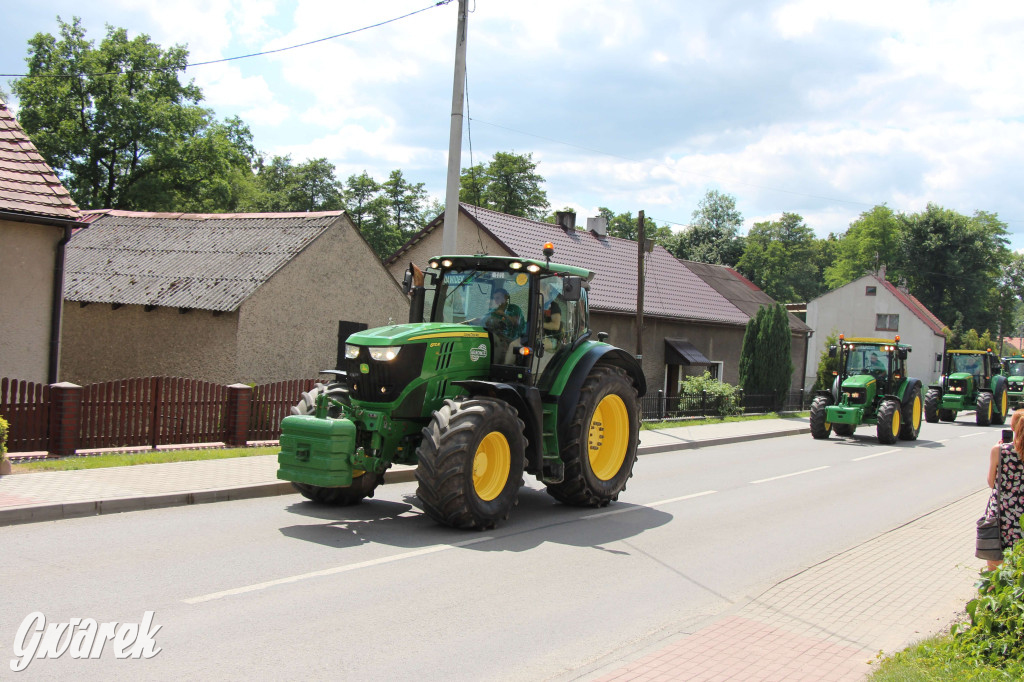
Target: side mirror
831,351
571,287
902,353
407,282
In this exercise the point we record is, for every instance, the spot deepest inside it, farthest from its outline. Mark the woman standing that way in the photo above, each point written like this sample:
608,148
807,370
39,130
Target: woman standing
1006,478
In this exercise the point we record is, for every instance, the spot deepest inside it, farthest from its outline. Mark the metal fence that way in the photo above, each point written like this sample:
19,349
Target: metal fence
659,407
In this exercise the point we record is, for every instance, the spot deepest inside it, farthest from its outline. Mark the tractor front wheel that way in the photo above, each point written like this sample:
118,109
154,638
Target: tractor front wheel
888,422
983,409
947,415
599,443
843,429
471,463
363,483
932,400
821,428
911,416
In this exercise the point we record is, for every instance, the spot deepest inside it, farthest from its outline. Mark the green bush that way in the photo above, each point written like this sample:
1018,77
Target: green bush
724,397
827,365
4,430
995,634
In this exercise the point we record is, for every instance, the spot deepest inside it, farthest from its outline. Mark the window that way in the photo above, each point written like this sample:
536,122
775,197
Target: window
870,291
887,323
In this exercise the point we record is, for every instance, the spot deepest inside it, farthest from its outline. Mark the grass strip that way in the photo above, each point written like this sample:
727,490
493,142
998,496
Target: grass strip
76,462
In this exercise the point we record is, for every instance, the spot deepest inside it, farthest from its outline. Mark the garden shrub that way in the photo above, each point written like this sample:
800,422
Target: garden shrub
724,398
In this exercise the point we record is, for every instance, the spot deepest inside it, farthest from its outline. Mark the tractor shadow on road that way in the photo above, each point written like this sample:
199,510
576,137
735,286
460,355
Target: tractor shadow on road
537,519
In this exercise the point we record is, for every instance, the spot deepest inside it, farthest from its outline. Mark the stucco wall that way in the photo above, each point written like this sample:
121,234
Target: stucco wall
469,239
102,344
27,253
847,310
289,327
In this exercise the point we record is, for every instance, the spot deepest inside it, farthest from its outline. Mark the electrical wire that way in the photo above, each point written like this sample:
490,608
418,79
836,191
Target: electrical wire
439,3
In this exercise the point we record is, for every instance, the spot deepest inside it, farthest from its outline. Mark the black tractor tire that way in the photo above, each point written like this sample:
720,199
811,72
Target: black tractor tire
1000,404
820,428
947,415
910,425
889,419
983,409
363,483
932,400
843,429
471,463
598,444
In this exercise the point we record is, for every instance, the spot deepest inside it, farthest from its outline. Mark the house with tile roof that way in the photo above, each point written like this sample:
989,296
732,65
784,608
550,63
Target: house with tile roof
689,326
37,216
251,297
874,307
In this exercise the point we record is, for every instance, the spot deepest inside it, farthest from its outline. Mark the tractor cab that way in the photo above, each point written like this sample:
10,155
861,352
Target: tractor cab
1013,370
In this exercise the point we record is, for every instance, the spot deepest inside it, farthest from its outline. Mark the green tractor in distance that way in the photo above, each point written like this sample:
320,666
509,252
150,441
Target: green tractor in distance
871,387
970,380
496,374
1013,370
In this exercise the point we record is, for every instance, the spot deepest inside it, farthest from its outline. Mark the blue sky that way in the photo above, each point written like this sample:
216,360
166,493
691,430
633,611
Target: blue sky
816,107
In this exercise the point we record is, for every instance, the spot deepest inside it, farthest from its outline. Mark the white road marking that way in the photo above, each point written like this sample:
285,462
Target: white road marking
877,454
795,473
972,435
337,569
651,505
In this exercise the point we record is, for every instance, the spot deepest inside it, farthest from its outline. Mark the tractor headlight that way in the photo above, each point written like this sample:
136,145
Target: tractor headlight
351,352
384,353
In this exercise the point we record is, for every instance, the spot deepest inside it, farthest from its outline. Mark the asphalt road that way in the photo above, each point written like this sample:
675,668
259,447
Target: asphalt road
277,588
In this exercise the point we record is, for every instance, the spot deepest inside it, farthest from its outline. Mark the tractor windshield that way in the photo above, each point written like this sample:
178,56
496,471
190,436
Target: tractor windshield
1015,368
966,364
495,299
866,360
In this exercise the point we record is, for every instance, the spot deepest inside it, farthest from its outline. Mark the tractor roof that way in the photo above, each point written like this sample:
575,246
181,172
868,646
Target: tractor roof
485,262
971,352
876,342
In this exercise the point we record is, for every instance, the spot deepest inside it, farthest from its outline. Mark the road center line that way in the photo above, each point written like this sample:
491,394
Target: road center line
651,505
337,569
972,435
877,454
795,473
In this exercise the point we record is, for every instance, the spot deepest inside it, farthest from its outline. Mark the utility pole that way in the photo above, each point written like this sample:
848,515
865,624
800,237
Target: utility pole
640,249
451,199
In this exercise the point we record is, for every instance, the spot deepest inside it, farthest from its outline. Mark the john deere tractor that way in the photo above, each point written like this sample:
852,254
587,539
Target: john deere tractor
1013,370
971,380
497,373
871,387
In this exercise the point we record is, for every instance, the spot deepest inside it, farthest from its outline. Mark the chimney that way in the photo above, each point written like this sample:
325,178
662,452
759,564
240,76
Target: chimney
598,225
566,220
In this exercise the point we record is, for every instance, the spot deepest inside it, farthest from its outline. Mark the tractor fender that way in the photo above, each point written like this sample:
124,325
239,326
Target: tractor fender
569,397
907,389
999,381
527,404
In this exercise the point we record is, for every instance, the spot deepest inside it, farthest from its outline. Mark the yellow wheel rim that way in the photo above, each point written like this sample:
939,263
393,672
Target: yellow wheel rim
915,416
491,463
896,423
609,437
1002,404
828,425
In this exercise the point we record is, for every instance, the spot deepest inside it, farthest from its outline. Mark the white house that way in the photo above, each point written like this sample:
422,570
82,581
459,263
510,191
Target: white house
872,307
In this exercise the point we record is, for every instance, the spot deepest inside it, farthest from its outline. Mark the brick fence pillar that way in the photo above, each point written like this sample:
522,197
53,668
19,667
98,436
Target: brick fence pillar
236,421
65,418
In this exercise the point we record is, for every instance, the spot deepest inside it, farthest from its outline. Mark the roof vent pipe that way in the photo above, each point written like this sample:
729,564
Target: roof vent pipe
566,220
598,225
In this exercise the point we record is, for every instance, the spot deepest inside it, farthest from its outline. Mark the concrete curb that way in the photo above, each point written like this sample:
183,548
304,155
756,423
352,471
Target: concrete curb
68,510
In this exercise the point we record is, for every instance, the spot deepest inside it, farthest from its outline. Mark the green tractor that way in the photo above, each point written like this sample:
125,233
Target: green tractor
871,387
971,380
1013,370
496,374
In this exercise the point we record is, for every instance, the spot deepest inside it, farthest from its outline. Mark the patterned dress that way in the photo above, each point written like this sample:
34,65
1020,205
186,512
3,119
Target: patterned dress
1010,491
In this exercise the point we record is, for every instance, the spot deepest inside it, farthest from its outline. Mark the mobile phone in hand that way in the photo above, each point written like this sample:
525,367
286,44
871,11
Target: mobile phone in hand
1007,435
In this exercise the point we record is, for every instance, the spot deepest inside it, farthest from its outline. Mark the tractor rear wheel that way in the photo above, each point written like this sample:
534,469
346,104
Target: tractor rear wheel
888,422
983,409
820,427
932,400
363,483
911,416
843,429
599,443
471,463
1000,406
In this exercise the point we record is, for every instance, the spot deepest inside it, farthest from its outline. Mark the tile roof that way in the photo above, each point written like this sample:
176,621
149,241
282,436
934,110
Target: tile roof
27,184
914,305
182,260
739,290
671,290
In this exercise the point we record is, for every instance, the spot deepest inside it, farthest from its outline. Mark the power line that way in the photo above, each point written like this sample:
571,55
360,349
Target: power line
439,3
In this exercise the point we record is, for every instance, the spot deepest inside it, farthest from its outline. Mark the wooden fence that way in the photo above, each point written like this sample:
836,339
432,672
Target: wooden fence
148,411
